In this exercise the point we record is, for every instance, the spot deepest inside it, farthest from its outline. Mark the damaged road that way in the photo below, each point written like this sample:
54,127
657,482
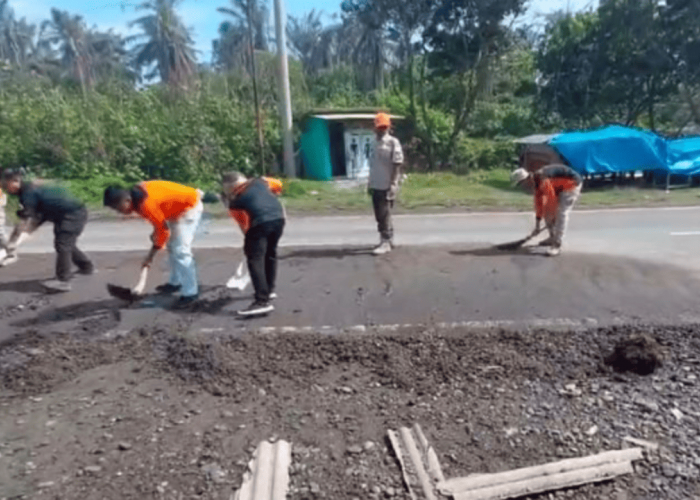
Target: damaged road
348,287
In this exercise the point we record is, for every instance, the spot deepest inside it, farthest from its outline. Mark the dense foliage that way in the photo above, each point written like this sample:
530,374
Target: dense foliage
82,104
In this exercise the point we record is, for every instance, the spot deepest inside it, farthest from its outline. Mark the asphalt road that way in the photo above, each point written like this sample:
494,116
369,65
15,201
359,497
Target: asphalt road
662,235
618,266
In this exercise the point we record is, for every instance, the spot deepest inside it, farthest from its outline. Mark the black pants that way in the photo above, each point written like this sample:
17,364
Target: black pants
66,232
382,212
261,252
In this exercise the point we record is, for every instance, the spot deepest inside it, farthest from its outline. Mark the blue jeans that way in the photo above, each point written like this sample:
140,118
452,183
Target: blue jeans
183,270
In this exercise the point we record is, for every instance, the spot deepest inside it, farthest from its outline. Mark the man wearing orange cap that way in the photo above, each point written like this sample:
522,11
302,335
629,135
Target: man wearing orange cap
384,176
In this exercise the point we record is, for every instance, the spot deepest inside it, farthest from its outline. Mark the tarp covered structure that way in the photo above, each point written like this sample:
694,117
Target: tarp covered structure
615,149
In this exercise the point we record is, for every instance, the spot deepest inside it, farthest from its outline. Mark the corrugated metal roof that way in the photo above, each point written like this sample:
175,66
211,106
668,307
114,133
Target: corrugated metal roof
535,139
354,116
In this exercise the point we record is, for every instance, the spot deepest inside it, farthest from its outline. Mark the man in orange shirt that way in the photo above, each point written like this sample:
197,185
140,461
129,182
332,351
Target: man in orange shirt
175,212
556,189
254,205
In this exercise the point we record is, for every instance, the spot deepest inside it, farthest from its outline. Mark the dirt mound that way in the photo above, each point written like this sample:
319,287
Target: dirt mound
162,414
639,354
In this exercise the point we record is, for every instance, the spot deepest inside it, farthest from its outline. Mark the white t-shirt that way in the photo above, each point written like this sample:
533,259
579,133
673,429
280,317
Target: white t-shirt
387,153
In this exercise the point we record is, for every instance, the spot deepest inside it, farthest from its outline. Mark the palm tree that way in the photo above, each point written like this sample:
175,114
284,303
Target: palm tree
371,44
305,35
232,49
166,42
110,56
71,36
254,15
16,37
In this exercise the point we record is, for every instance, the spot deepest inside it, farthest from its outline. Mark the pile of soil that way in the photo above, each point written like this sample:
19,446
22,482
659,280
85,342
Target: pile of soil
159,414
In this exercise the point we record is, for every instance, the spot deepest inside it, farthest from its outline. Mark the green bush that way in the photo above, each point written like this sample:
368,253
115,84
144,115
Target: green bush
483,154
128,134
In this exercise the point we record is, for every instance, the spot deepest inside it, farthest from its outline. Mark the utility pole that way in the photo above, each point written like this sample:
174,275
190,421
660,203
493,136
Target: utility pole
258,118
285,97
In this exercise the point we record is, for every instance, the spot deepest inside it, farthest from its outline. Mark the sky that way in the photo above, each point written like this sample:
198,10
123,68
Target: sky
203,18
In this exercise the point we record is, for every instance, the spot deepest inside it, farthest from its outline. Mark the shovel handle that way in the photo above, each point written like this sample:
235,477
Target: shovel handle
138,289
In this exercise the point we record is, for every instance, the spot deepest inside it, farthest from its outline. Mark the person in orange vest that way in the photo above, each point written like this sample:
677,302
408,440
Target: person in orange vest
384,177
253,204
175,211
556,189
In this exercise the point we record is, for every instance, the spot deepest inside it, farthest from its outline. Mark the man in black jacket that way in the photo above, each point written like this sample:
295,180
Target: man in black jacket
41,203
254,205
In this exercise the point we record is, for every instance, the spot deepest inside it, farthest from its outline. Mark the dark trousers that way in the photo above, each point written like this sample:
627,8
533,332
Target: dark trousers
66,232
382,212
261,252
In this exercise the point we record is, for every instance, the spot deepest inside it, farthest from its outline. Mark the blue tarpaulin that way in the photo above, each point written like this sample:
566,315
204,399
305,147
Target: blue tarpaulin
621,149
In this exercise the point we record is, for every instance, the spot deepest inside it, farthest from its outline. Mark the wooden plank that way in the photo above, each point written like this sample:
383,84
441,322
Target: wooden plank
542,484
267,477
434,469
473,482
283,459
419,463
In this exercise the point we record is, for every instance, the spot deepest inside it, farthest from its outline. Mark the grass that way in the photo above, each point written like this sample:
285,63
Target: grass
479,191
485,190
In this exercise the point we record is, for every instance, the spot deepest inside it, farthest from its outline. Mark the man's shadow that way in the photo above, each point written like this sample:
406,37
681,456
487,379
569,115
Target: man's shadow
26,286
74,312
495,251
326,253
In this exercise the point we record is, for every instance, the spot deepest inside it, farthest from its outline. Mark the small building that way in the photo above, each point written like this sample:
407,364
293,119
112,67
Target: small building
337,144
535,152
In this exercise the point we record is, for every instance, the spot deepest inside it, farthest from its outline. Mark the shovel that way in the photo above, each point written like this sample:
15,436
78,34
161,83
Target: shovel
514,245
240,280
129,294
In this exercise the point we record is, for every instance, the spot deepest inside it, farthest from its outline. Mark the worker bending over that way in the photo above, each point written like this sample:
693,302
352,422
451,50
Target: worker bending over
41,203
174,211
556,189
254,205
10,256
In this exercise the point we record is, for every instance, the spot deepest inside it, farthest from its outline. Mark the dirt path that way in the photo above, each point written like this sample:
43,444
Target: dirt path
163,414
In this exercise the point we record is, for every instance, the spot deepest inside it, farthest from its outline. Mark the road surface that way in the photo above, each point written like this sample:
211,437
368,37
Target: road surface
662,235
618,266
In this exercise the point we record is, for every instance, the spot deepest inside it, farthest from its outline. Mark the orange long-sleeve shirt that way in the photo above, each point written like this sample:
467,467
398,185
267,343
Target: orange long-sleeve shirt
243,217
550,182
164,201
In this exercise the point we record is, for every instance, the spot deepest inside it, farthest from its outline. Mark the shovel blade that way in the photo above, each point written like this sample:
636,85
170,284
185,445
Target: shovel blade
513,245
121,292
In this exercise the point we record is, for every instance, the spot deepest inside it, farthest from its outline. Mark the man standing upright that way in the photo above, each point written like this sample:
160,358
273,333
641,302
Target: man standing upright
384,177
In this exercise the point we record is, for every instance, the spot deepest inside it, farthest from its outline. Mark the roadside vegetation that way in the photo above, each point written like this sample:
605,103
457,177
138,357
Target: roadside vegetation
80,105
